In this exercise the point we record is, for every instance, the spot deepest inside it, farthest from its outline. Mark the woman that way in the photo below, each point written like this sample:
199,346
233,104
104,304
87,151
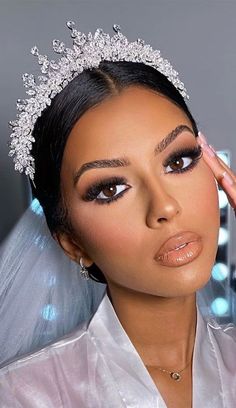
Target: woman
128,190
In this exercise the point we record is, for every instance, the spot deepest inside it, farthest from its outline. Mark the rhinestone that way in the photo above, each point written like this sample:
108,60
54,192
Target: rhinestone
70,24
140,41
34,50
30,92
97,33
87,52
42,59
53,65
13,123
116,28
58,46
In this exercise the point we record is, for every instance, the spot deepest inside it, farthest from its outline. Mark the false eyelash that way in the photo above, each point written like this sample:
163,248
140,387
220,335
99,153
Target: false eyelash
95,189
195,153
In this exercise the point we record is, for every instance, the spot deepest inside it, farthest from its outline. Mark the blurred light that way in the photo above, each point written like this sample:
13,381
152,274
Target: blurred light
220,271
36,207
223,200
220,306
223,236
40,242
52,280
224,157
49,312
49,279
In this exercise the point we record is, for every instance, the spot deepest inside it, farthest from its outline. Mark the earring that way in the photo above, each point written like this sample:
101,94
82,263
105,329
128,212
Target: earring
83,271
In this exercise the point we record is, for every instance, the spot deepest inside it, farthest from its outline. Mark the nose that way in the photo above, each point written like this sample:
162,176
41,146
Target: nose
162,205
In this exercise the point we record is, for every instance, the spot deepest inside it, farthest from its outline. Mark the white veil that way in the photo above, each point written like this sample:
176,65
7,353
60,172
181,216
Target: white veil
42,294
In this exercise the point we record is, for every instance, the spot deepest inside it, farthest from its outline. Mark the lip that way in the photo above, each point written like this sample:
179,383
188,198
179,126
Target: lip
170,253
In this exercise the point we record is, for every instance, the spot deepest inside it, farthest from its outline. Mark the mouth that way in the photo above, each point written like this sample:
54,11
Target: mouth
180,249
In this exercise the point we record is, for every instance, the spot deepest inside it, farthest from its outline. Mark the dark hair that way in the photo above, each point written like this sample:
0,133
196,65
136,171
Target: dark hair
52,129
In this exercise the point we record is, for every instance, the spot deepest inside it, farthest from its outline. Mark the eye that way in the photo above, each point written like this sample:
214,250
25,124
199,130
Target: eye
183,160
106,191
180,164
110,191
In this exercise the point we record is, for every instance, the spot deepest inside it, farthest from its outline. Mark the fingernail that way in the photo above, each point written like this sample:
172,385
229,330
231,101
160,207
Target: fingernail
212,148
202,137
227,178
207,149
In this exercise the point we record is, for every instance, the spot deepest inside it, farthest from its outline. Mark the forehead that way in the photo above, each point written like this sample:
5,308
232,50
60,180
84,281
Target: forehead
135,116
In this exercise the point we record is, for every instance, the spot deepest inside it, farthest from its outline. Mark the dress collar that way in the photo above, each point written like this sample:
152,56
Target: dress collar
130,375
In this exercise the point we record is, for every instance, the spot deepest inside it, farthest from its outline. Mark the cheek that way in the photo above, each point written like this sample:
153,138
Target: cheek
202,210
203,195
105,236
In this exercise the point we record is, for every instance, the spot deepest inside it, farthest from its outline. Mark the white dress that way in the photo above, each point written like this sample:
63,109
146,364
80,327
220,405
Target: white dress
97,366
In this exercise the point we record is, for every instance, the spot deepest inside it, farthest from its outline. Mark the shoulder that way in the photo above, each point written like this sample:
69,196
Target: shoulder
45,355
39,378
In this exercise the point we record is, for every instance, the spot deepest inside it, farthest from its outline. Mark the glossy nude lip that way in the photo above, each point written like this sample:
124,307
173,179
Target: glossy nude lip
179,249
182,255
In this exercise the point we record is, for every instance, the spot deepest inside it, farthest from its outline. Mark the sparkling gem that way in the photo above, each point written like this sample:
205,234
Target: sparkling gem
13,123
97,33
74,33
53,65
87,52
44,69
70,24
31,92
58,46
42,59
34,50
140,41
116,28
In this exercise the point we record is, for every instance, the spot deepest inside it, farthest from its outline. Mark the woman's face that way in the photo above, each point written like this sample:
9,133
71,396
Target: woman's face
151,200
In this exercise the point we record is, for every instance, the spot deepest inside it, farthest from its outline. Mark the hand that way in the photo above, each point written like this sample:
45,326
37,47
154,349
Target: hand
223,174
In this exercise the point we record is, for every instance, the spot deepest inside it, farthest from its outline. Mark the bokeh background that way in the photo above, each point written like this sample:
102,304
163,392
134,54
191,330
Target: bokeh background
198,37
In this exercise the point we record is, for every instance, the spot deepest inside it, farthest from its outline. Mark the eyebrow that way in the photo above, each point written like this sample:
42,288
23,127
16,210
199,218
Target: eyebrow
123,161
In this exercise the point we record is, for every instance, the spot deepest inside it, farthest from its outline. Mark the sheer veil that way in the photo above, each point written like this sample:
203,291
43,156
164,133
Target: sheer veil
42,294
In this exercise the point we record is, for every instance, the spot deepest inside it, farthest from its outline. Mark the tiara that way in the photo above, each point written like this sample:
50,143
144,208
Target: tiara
87,52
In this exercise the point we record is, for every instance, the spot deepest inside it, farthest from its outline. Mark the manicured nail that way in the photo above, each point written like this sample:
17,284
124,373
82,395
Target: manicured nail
202,137
227,178
207,149
212,148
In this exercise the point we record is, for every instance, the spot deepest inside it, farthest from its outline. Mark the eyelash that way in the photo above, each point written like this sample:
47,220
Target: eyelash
91,194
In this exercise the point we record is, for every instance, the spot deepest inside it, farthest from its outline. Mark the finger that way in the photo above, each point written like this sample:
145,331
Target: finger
217,165
226,167
223,174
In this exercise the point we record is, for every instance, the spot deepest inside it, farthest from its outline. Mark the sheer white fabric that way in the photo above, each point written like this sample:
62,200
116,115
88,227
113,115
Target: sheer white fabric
97,366
42,294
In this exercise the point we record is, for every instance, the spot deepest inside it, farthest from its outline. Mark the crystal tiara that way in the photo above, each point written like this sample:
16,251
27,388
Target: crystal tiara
87,52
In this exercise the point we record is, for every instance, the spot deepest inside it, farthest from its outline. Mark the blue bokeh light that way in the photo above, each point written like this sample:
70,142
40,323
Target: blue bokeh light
220,306
49,312
220,271
36,207
223,236
223,200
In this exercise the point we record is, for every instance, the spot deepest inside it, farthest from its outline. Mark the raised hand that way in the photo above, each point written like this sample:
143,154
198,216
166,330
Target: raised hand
223,174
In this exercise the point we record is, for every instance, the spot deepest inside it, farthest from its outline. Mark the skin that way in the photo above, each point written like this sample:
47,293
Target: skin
122,237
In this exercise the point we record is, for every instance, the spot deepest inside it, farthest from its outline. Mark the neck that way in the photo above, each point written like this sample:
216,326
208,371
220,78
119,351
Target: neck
161,329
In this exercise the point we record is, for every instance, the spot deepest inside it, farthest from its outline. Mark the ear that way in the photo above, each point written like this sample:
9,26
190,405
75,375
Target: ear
72,248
